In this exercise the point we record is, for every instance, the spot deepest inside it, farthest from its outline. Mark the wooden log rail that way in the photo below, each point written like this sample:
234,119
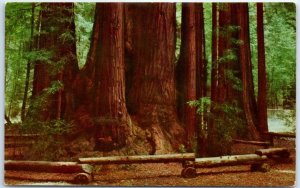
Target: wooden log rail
256,162
47,166
273,134
282,152
83,171
167,158
258,143
230,160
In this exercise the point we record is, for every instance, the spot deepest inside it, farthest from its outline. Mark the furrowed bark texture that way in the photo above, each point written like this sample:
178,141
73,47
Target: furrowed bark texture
186,71
110,106
104,78
152,97
249,103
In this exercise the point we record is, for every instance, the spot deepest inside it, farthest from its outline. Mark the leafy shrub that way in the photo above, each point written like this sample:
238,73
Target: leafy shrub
227,121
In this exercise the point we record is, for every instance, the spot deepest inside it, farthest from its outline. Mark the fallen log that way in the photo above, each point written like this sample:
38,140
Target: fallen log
229,160
46,166
258,143
282,152
42,177
139,159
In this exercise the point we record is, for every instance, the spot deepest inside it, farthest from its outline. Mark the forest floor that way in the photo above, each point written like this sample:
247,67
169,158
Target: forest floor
280,174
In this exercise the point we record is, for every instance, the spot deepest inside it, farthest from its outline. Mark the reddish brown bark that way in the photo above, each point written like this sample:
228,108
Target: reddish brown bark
152,96
201,72
103,77
109,104
201,80
186,71
227,73
222,20
262,76
248,100
83,85
63,63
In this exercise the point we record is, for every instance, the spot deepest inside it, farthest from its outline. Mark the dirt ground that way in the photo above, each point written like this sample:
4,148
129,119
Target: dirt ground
280,174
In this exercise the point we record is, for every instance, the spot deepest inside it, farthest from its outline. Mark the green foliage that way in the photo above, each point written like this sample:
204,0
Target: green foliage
55,86
289,118
17,38
178,30
280,45
236,82
49,145
202,105
208,36
84,18
227,120
38,55
229,55
182,148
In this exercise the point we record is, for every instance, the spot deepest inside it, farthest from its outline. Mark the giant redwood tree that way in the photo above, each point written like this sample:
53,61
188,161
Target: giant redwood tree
54,73
248,99
224,71
232,91
186,71
152,96
262,75
191,72
103,76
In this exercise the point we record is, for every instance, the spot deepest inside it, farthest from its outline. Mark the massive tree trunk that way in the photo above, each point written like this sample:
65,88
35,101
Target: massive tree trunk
57,37
109,105
262,76
101,105
152,96
249,103
186,72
